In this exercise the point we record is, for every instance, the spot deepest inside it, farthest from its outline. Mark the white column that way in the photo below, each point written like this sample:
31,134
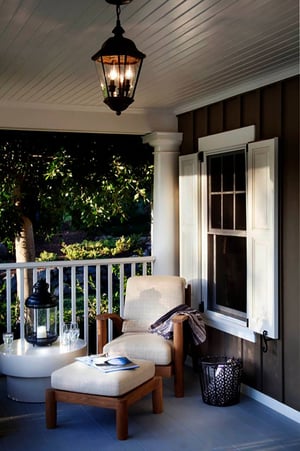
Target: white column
165,236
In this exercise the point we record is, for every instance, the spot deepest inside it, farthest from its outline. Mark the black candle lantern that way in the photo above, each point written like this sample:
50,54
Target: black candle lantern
118,65
41,316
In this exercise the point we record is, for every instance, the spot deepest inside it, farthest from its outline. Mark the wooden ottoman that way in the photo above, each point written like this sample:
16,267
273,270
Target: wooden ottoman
80,384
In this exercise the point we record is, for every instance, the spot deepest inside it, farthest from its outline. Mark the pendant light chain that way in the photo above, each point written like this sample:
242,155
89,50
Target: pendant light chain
118,11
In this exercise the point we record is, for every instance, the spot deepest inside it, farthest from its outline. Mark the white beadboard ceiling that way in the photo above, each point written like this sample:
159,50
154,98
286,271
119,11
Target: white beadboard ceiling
198,51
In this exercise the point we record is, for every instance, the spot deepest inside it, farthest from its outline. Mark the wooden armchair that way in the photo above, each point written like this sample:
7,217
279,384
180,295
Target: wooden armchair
147,299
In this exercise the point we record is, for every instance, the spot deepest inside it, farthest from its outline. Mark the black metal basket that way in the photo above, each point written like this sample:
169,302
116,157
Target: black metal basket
220,380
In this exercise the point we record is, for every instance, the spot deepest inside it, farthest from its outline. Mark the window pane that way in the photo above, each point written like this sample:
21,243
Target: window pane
231,272
240,178
228,211
228,171
215,173
240,211
216,211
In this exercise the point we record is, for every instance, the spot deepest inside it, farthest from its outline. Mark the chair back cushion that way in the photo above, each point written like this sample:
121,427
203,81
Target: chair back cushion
149,297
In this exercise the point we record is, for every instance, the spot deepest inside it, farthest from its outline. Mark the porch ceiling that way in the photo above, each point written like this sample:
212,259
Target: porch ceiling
198,51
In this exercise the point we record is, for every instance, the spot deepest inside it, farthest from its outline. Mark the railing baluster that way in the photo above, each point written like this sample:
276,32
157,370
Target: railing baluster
109,288
86,302
48,277
73,288
133,269
121,289
98,289
22,303
8,300
48,280
110,300
61,298
144,268
34,275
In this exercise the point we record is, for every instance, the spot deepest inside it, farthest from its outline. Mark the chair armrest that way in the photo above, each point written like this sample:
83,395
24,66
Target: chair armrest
113,316
102,322
179,318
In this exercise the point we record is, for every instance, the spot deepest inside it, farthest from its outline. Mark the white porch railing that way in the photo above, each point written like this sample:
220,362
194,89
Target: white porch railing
75,283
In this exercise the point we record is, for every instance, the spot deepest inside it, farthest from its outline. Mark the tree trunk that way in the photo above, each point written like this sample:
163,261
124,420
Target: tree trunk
25,252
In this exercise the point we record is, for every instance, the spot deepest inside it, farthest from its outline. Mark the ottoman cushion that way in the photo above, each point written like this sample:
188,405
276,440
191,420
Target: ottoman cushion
78,377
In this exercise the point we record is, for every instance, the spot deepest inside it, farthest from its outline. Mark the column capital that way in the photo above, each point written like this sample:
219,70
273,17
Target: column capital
163,141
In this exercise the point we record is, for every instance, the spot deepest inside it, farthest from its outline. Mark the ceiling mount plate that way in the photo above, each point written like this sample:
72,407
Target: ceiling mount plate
119,2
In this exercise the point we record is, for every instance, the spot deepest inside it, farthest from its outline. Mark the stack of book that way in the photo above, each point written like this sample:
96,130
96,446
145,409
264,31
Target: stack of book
108,364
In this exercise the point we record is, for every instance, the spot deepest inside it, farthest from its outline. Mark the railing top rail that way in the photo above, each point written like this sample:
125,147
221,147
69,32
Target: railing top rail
70,263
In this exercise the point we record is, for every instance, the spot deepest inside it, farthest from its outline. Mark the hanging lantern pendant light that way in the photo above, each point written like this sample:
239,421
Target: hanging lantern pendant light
118,64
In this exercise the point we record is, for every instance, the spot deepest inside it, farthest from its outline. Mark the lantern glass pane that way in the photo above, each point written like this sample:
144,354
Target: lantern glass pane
118,75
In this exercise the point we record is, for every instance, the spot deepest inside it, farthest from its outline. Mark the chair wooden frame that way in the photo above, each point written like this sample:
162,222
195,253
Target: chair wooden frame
175,368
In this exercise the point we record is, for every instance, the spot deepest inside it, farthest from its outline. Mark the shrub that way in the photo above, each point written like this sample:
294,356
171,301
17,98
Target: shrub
47,257
105,248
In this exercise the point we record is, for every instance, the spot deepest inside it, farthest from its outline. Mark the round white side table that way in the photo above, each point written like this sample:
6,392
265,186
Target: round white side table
28,368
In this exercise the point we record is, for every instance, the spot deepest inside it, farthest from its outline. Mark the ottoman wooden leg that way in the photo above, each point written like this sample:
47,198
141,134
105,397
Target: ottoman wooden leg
122,420
51,409
119,403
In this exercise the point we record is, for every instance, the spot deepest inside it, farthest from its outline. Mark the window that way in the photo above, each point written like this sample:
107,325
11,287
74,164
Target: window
228,232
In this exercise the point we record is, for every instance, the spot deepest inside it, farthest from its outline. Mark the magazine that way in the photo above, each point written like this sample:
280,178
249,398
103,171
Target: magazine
108,364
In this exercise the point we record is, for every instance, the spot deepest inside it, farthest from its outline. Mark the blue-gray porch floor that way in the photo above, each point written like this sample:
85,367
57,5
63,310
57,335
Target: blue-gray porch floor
186,424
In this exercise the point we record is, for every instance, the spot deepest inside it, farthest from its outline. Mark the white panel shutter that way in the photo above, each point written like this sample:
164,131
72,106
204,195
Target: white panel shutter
189,223
262,242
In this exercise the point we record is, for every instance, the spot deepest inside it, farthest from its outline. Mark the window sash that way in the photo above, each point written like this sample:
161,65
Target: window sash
226,172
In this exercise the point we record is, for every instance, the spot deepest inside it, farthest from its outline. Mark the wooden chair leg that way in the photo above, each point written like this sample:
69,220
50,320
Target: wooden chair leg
51,409
157,396
178,359
122,420
178,377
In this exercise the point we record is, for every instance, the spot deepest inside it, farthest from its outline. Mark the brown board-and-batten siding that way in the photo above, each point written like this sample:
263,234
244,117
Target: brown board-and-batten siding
274,110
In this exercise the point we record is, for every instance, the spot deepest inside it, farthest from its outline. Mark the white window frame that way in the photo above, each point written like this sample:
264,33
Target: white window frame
209,145
193,224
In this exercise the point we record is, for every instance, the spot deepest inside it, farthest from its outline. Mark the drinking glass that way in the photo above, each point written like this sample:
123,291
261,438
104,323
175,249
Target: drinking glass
70,333
74,332
8,338
66,335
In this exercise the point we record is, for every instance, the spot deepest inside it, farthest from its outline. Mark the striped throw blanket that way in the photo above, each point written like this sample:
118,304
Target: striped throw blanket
164,325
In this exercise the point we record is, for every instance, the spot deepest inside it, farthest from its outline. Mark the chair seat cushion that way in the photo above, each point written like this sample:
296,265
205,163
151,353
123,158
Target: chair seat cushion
80,378
142,346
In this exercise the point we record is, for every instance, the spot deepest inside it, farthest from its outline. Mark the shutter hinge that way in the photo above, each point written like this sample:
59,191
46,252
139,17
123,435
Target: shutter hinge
201,307
201,156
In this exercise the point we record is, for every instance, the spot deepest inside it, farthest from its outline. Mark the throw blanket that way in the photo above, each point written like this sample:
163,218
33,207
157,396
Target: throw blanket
164,325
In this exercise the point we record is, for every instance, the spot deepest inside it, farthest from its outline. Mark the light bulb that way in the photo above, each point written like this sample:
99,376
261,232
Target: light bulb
113,74
128,74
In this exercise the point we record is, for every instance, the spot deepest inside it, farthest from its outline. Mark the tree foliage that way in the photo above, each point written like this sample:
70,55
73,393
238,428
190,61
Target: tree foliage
90,180
22,169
